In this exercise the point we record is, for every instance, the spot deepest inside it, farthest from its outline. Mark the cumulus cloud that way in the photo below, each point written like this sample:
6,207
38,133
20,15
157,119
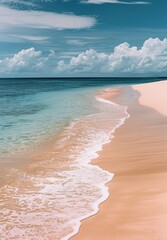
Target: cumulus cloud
40,19
23,60
29,61
124,60
151,57
113,1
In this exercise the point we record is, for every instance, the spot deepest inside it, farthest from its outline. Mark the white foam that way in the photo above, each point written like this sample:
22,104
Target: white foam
63,198
87,159
105,100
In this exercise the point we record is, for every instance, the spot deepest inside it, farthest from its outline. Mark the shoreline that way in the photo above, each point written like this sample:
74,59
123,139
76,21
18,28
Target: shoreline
57,167
109,96
105,96
98,226
51,160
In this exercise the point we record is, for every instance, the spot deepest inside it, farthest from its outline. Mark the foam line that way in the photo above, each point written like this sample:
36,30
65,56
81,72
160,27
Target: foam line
103,187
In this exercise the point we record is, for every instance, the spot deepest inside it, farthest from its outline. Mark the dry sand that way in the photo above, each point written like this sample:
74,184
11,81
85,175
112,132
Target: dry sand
154,95
137,206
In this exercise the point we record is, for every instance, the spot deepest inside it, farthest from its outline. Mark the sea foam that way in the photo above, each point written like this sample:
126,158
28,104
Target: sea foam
66,188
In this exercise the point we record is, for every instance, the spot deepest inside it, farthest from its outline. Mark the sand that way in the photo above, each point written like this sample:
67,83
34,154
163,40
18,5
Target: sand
136,208
154,95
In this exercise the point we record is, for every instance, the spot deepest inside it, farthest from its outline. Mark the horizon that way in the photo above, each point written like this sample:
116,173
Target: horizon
82,77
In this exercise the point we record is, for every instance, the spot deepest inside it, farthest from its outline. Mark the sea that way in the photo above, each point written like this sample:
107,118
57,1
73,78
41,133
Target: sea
50,131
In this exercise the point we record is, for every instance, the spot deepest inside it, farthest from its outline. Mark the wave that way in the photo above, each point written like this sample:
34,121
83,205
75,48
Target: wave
51,197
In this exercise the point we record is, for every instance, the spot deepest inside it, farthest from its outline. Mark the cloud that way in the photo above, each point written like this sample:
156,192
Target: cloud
69,54
29,61
30,38
76,42
150,58
23,60
10,18
18,3
27,3
113,1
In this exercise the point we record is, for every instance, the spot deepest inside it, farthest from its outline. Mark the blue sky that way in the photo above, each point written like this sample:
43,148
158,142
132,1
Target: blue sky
83,38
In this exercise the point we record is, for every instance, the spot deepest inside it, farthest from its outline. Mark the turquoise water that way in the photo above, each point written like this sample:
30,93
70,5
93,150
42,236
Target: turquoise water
32,109
49,196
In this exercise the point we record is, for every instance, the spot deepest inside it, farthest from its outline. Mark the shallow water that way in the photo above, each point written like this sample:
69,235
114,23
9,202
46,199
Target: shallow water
58,187
30,111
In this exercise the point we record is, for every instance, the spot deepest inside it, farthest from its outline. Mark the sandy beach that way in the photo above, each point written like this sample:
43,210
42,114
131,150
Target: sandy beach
136,208
154,96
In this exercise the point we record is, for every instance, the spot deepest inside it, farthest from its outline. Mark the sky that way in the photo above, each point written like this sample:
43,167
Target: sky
66,38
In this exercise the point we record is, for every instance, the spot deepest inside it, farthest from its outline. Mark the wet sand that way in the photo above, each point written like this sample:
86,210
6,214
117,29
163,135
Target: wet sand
136,208
55,184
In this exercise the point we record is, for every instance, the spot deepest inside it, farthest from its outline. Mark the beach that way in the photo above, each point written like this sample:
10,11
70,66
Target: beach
47,184
136,208
98,170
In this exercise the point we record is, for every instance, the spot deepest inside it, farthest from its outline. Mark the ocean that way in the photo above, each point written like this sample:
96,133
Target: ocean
50,130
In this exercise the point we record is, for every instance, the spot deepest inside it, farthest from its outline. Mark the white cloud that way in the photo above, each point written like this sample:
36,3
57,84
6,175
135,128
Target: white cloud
151,57
22,60
29,37
124,60
29,61
52,53
113,1
41,19
76,42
